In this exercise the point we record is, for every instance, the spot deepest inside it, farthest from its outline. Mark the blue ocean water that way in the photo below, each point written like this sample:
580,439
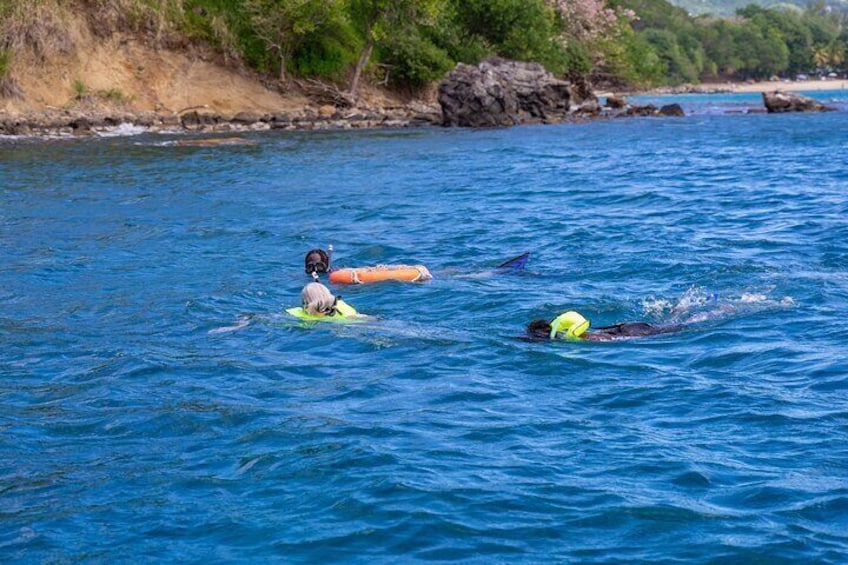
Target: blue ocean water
159,405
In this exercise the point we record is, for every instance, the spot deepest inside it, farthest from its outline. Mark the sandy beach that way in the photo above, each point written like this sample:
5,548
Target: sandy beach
798,86
769,86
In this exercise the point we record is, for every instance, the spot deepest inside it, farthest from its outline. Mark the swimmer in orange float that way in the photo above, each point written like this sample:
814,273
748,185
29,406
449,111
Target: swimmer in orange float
572,325
317,262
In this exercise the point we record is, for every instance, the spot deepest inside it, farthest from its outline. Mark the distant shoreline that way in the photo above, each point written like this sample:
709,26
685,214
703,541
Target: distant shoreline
745,87
792,85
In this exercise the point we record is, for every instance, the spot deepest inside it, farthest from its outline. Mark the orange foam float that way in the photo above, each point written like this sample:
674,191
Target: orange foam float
364,275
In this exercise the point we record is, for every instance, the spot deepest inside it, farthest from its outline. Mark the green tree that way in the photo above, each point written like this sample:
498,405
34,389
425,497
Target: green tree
718,39
679,67
795,34
414,60
634,62
284,25
377,19
525,30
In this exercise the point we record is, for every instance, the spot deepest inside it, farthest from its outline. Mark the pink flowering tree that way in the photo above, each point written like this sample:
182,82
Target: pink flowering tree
594,29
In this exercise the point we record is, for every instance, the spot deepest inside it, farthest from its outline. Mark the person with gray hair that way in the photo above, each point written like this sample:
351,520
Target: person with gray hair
317,302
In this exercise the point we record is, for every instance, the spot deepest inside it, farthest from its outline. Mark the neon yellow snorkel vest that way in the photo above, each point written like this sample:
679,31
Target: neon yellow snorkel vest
344,313
571,323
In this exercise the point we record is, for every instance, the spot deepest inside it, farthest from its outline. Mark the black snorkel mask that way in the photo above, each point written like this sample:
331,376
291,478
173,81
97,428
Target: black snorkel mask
317,266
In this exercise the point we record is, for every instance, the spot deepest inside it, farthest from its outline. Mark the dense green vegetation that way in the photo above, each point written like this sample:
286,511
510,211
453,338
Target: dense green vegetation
757,43
410,43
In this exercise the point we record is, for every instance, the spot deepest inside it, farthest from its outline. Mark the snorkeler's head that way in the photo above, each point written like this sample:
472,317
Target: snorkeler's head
317,299
317,261
540,329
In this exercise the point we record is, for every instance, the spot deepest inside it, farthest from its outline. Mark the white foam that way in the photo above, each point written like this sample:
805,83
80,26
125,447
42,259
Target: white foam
656,306
121,130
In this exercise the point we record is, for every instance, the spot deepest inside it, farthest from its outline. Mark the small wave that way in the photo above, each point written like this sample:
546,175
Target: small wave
693,298
698,305
38,136
241,323
121,130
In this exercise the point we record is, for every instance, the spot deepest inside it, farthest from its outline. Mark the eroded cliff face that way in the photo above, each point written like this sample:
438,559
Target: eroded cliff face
74,59
135,75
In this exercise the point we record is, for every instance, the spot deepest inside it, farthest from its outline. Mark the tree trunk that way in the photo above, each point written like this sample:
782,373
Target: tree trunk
162,19
364,57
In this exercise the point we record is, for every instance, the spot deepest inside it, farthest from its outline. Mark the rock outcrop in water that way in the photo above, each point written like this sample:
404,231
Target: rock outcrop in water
498,92
779,101
620,107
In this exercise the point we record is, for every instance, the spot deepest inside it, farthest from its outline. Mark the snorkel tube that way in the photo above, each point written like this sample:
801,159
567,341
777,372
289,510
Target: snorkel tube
571,322
329,262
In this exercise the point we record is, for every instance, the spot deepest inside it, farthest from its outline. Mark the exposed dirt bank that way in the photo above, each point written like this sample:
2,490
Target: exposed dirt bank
103,83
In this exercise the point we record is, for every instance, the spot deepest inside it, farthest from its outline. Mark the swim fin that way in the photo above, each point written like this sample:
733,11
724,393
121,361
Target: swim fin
517,263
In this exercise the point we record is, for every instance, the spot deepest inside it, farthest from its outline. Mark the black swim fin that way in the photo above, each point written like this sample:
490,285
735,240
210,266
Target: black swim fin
517,263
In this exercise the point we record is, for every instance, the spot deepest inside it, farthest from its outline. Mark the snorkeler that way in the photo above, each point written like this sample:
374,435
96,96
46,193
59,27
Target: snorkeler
572,325
318,303
317,262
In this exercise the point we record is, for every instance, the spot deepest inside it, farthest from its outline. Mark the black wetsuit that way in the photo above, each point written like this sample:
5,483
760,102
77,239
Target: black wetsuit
628,329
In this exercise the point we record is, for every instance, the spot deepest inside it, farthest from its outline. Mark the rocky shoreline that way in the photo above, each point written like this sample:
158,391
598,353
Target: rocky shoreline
87,122
495,93
78,124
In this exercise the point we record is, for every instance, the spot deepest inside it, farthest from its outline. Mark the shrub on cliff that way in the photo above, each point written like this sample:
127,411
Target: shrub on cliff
35,26
413,60
9,87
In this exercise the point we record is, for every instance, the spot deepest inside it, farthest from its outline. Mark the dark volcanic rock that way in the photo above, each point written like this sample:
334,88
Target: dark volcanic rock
637,110
671,110
649,110
194,120
81,125
246,118
778,101
616,102
498,92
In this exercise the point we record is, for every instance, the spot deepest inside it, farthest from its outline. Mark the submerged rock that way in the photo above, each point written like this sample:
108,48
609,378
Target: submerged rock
617,102
648,110
214,142
671,110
